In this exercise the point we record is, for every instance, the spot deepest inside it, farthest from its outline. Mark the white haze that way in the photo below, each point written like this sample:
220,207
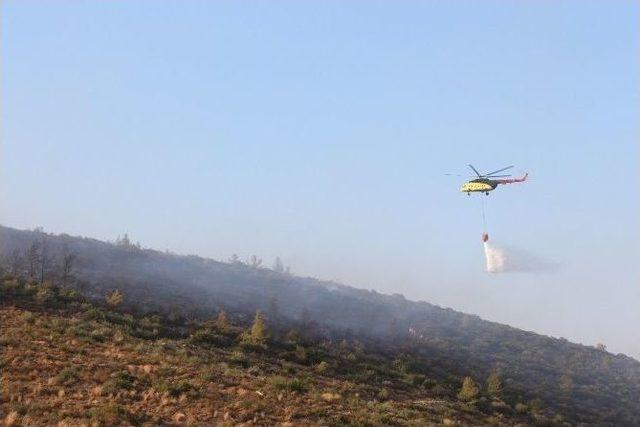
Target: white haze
514,260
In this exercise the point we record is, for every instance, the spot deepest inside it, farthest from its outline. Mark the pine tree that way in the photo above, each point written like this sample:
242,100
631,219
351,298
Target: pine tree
305,322
258,334
278,266
292,336
469,390
393,330
68,258
494,385
274,311
222,322
33,255
124,241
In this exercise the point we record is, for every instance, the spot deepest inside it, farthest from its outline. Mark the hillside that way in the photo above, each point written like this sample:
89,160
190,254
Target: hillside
108,368
405,352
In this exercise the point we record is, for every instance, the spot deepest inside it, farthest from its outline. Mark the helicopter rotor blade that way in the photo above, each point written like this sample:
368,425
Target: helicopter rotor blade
497,176
477,173
498,171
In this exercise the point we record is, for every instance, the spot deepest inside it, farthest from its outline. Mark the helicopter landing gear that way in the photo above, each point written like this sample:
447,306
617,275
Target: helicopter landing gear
487,193
468,193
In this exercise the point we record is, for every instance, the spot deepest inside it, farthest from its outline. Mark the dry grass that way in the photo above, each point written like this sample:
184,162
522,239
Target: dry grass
82,370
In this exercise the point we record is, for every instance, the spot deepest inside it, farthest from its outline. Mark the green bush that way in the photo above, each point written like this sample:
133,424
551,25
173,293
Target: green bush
417,379
383,394
100,334
207,336
45,295
321,367
118,381
69,295
110,414
29,317
67,376
11,285
93,313
239,359
294,384
175,389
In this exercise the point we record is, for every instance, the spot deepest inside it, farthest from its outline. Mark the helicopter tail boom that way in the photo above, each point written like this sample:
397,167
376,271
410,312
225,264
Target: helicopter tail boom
511,181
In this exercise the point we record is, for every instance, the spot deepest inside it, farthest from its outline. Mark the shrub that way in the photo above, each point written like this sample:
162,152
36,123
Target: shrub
118,381
181,387
45,295
175,389
28,317
100,334
301,353
110,414
10,284
114,298
293,336
500,406
239,359
93,313
321,367
69,295
208,337
383,394
417,379
67,376
151,322
400,364
294,384
126,320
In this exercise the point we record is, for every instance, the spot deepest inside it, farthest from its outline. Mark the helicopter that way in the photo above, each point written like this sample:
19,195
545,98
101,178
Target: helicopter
487,182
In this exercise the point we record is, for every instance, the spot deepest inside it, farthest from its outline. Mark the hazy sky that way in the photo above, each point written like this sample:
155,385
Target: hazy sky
321,132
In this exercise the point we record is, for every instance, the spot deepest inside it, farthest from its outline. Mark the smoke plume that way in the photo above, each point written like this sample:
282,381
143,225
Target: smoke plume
513,260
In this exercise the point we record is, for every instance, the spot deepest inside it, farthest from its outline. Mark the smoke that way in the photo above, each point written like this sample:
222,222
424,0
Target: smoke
513,260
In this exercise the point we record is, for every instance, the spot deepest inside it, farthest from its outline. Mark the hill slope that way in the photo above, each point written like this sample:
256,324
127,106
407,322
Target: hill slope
555,377
100,368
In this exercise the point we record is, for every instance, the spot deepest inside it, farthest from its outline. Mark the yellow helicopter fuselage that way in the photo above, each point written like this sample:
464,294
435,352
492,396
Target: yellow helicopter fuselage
479,186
